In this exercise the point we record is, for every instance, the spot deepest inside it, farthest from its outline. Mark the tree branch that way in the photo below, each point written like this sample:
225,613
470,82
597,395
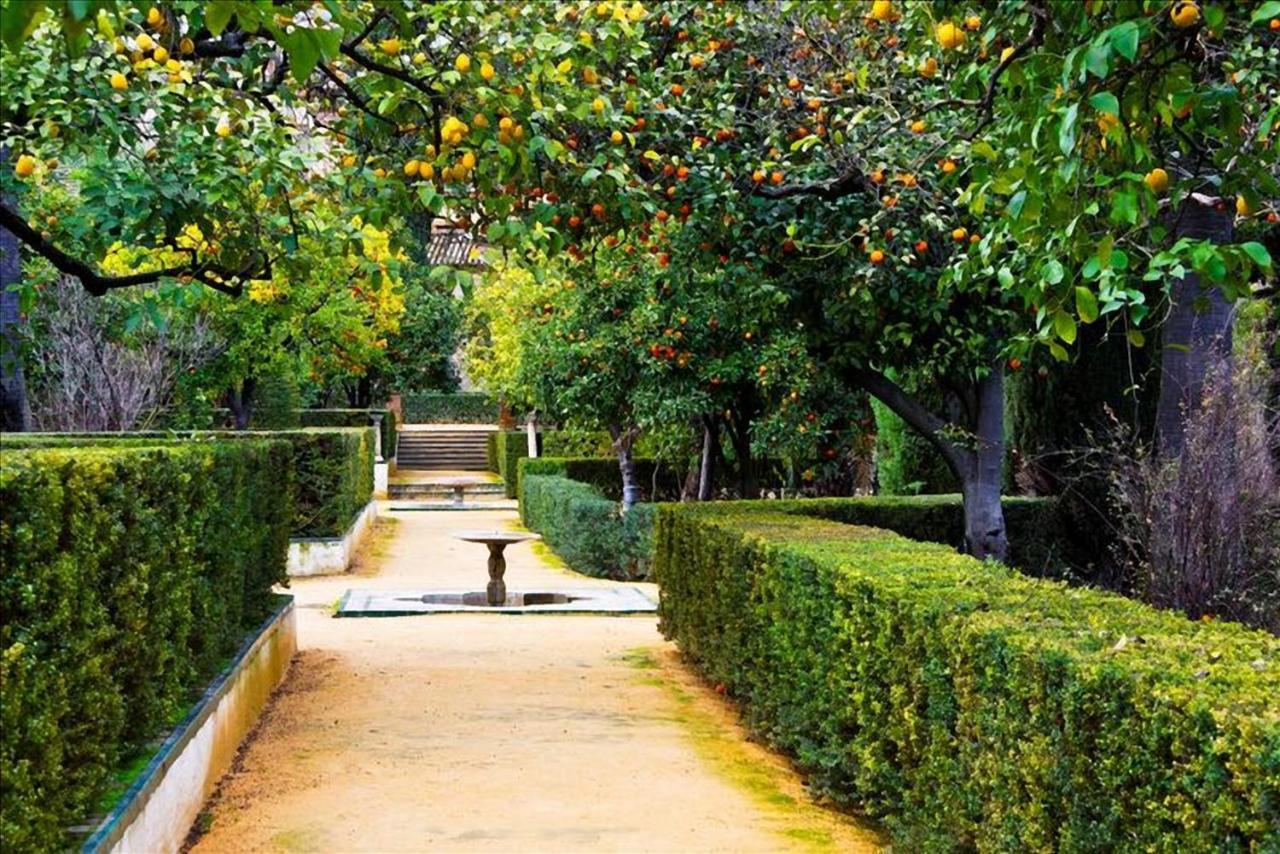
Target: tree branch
850,182
215,277
913,413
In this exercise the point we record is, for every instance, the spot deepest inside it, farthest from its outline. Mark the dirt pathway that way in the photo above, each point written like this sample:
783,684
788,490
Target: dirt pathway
499,733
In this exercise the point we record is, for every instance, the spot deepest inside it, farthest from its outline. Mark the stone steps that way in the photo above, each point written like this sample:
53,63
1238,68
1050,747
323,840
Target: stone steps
461,450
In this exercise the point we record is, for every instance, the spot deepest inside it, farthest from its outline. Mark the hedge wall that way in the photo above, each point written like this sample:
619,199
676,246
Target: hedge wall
586,529
434,407
354,418
971,707
505,449
127,575
331,470
602,473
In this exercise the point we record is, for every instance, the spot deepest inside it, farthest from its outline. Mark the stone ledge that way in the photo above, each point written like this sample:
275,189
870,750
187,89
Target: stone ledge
330,555
157,811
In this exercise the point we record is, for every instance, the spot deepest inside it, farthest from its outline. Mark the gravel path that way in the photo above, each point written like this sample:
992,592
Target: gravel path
499,733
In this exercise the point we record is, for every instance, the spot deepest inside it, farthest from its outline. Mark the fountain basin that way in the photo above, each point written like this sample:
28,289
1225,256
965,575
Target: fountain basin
613,599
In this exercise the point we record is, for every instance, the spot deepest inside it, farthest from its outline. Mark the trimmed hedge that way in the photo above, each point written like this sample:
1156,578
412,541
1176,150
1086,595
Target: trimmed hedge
602,473
506,448
127,575
971,707
354,418
331,470
586,529
436,407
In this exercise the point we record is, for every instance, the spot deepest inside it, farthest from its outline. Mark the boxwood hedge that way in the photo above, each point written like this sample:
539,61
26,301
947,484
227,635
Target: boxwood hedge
506,448
126,576
969,706
354,418
331,469
437,407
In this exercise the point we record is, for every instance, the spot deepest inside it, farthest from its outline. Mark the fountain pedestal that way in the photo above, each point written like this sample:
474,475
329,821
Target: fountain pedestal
497,541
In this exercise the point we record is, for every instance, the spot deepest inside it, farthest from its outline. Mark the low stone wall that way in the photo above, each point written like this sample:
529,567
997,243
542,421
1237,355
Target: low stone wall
381,472
330,555
157,812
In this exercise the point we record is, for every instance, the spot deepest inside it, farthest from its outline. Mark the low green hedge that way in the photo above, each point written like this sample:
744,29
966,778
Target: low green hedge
433,407
331,469
586,529
505,450
602,473
971,707
1038,542
127,575
354,418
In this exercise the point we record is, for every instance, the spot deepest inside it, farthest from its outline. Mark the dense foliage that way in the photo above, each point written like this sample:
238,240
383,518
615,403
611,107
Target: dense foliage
586,529
126,576
354,418
329,472
967,705
433,407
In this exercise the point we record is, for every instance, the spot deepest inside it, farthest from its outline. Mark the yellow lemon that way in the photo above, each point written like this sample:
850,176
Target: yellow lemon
1005,54
419,58
917,126
486,71
589,76
469,160
616,137
411,169
462,63
145,43
427,171
186,46
480,120
160,56
154,17
1157,180
391,46
379,172
882,10
1242,206
972,22
1184,14
597,105
223,129
1108,121
929,67
25,166
635,13
119,82
949,35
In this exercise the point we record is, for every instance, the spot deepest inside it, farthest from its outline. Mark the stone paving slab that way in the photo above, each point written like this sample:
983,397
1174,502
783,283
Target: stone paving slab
495,504
622,599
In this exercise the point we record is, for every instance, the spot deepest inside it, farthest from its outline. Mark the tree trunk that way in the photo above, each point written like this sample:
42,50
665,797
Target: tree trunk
240,401
984,529
980,468
622,442
710,450
15,413
1196,336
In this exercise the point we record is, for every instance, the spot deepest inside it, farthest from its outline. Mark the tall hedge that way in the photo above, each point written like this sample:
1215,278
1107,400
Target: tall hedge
971,707
127,575
331,470
586,529
354,418
434,407
505,449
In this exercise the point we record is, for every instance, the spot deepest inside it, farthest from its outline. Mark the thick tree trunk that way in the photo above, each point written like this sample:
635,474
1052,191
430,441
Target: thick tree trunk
240,401
981,483
15,413
622,442
1196,336
980,468
710,450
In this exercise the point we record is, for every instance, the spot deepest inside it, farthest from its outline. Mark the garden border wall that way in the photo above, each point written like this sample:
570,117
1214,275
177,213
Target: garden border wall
157,812
330,555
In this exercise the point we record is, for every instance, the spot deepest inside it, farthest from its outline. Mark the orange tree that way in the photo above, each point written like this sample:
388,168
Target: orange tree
939,187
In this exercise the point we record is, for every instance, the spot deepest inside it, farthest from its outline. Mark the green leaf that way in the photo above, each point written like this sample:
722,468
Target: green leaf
983,149
1052,271
1067,133
1016,202
1105,102
1064,325
1086,305
1256,251
1098,59
1124,206
1136,338
1124,39
1266,11
218,14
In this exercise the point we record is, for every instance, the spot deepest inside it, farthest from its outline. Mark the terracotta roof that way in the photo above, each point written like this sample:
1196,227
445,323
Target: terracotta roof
456,247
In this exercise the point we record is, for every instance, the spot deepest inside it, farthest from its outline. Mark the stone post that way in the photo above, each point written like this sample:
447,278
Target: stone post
377,437
531,429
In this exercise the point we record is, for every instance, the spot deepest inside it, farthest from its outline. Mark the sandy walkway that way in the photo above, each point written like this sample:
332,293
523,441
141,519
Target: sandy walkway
499,733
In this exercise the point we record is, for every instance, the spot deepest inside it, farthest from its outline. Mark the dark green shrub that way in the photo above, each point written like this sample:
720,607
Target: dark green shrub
354,418
276,402
906,464
331,469
434,407
126,576
586,529
603,474
506,448
971,707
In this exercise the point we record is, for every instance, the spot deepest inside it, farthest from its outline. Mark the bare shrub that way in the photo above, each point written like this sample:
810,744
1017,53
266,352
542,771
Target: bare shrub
89,373
1201,532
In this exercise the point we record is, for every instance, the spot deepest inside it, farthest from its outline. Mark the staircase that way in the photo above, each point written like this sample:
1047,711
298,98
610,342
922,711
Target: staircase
442,450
